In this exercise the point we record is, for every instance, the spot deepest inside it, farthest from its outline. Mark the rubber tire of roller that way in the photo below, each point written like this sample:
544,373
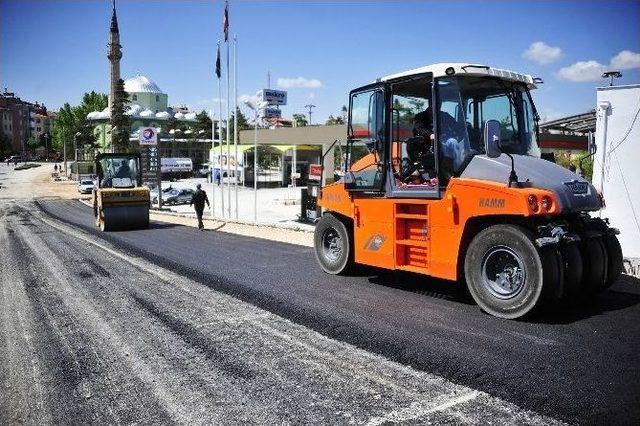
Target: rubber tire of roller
615,260
573,270
594,257
540,268
342,265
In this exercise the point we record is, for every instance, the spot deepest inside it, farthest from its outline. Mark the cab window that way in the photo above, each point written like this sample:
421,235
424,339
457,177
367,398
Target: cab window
365,153
412,144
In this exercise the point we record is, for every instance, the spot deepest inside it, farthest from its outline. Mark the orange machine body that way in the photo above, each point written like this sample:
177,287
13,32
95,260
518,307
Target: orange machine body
426,235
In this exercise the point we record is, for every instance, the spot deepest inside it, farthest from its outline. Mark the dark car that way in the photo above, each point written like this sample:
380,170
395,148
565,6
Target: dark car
176,196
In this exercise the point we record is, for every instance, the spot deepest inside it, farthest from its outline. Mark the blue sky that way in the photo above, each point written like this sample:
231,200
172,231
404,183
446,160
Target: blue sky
53,51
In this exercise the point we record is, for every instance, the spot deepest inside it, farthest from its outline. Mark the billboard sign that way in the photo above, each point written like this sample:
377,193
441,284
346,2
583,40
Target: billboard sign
148,136
270,113
272,96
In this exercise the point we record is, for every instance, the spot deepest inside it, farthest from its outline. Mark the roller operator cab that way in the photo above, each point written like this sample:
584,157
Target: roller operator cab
120,201
444,178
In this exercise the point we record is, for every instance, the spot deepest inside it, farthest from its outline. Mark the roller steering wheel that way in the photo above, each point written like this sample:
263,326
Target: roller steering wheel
418,152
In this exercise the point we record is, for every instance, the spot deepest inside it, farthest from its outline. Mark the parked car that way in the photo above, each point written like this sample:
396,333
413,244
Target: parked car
154,193
85,186
175,196
14,159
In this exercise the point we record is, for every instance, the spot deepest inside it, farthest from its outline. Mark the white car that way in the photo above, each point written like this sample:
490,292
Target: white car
85,186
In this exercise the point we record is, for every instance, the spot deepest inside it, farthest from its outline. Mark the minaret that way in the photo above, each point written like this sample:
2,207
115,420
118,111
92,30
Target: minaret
114,53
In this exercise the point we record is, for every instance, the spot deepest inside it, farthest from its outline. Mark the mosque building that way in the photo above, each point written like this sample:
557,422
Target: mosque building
147,106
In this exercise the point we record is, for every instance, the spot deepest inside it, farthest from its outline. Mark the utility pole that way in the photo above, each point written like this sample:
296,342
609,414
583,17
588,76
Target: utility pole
310,107
268,79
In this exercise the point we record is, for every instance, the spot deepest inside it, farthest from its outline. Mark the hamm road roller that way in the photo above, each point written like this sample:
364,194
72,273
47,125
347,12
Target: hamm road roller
443,177
120,201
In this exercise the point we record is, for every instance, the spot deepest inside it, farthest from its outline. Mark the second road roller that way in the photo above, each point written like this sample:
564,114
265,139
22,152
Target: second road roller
120,200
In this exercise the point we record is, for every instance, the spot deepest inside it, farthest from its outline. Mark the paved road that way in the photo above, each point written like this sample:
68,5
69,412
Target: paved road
91,335
581,366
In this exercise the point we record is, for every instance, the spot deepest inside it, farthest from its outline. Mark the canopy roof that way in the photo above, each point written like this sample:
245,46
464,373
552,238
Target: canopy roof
439,70
136,111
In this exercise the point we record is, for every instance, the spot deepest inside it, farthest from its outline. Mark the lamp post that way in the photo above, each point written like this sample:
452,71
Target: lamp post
256,110
46,146
75,149
64,154
611,75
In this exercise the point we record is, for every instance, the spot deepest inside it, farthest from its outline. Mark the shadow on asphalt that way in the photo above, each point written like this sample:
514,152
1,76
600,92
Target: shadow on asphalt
152,225
420,284
624,294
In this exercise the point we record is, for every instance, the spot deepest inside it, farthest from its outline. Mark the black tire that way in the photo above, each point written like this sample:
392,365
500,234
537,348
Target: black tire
594,257
614,260
511,248
553,275
333,245
573,270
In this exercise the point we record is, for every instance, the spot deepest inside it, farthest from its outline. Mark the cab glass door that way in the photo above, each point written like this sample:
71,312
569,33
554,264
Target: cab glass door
365,155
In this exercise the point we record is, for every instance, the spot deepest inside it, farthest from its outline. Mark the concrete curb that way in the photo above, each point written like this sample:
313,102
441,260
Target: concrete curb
632,266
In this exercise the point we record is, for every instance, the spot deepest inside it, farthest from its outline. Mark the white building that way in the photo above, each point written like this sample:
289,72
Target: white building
616,168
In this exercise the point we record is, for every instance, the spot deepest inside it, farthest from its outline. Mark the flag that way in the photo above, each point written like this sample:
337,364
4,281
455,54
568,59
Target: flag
225,21
218,72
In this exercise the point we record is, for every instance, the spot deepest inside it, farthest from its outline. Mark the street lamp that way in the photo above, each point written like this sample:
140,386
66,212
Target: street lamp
256,109
75,149
46,146
611,75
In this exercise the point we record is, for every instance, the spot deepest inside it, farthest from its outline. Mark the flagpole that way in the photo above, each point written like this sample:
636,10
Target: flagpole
211,162
220,142
228,119
235,116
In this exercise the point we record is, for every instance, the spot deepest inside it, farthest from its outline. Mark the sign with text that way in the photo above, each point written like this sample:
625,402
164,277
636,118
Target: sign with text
148,136
315,171
270,113
150,164
272,96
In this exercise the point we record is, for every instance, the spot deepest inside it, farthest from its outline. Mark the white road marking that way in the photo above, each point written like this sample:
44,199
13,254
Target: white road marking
420,409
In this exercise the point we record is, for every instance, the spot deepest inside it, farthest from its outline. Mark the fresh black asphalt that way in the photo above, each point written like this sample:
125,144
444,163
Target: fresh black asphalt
581,365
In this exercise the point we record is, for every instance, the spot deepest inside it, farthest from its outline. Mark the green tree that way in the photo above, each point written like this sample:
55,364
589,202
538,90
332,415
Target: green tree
120,124
202,126
33,142
71,120
300,120
243,124
332,121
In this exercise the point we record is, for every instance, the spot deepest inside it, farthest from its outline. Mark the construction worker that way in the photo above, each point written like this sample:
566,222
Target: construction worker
197,200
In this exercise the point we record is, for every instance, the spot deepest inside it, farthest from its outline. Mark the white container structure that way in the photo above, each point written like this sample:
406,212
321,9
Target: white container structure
616,168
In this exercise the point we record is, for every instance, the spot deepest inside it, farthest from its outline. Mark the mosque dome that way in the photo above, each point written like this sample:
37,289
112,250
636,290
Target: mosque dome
141,84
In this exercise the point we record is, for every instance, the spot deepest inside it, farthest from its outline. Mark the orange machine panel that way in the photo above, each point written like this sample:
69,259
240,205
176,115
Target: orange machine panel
373,232
424,236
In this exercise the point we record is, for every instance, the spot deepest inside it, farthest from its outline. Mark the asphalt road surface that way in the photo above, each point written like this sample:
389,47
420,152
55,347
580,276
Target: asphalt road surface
174,325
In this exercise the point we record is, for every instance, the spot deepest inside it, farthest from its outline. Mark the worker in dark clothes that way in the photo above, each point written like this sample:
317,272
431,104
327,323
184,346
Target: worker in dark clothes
197,200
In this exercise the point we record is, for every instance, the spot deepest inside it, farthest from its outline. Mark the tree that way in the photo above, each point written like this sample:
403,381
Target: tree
332,121
120,125
33,142
71,120
202,126
300,120
243,124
